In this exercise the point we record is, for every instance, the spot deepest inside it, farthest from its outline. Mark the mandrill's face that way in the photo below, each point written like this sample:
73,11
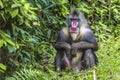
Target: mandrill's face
74,26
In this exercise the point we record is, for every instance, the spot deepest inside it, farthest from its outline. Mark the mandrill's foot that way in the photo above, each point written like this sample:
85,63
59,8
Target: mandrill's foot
76,69
58,69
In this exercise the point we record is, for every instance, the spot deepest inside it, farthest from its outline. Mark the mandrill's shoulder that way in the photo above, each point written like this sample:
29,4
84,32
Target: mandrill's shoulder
87,35
63,35
65,31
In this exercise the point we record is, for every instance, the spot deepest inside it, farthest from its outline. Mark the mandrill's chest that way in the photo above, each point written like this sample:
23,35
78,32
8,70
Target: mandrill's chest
71,37
74,38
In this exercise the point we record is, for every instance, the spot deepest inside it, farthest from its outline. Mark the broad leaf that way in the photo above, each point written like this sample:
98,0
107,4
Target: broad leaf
27,6
63,1
1,43
14,13
10,42
2,66
15,5
11,48
1,4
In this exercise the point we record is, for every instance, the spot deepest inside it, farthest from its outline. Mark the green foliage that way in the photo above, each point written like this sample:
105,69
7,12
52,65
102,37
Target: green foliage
26,74
13,15
2,68
107,69
28,29
109,60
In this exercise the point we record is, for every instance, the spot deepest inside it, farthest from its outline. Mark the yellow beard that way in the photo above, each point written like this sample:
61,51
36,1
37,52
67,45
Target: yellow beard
74,36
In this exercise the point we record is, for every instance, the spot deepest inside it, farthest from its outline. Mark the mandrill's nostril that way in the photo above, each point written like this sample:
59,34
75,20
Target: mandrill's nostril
73,29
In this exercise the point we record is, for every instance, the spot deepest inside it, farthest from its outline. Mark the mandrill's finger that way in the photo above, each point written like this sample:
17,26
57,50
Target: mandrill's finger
74,46
73,52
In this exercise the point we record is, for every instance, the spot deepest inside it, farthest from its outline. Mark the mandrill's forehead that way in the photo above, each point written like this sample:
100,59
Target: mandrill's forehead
74,17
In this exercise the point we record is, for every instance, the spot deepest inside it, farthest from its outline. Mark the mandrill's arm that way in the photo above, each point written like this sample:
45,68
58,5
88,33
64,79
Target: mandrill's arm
61,41
85,45
62,45
87,41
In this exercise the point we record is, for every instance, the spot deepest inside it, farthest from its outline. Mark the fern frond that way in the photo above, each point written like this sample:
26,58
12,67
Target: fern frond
26,74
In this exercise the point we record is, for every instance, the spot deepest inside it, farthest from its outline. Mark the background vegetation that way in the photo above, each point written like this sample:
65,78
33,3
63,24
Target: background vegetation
28,29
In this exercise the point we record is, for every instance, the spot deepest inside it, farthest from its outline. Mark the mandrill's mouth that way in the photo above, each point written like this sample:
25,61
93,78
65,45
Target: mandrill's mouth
74,30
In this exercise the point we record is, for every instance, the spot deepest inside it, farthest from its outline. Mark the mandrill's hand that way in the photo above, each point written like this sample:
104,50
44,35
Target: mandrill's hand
74,46
74,49
68,46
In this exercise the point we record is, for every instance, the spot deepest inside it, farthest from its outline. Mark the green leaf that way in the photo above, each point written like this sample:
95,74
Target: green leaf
38,5
32,39
63,1
21,20
1,4
15,5
27,6
27,23
10,42
26,53
11,48
2,67
14,13
17,45
3,34
1,43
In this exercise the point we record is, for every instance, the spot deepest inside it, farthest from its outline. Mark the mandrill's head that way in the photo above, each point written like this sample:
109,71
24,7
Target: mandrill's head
75,21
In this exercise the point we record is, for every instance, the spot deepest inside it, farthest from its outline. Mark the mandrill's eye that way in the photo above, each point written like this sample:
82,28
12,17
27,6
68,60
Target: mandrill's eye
78,20
71,20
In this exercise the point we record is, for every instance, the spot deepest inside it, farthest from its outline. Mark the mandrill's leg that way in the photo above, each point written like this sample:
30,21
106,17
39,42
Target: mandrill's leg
76,61
58,61
89,59
62,59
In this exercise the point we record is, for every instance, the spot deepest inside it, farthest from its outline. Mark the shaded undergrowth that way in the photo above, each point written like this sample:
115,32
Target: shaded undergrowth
107,69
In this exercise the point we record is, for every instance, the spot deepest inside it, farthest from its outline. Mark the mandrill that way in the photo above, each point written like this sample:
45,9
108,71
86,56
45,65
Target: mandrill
76,44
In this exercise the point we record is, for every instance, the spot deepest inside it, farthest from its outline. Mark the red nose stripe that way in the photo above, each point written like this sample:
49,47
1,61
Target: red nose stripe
74,23
73,26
